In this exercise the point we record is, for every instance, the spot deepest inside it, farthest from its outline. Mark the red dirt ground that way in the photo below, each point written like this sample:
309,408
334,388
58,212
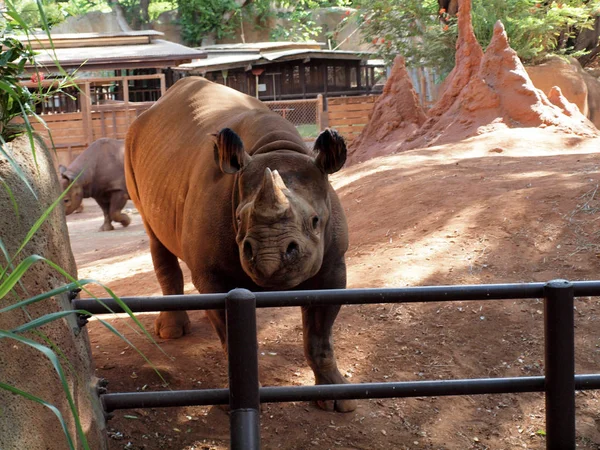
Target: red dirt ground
516,205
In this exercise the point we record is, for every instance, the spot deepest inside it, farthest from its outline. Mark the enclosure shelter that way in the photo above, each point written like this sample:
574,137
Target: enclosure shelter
116,77
287,70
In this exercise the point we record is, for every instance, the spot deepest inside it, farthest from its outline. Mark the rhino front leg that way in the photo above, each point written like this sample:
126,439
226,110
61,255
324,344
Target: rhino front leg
168,324
118,199
317,323
107,225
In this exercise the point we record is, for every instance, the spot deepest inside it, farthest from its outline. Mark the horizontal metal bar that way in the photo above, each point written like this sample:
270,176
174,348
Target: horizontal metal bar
336,296
129,400
151,304
587,382
163,399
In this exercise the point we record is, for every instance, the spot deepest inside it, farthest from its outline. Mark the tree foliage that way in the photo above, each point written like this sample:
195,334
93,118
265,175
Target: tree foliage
221,18
426,35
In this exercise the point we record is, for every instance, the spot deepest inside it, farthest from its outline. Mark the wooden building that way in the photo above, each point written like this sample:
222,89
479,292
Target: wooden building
116,75
287,70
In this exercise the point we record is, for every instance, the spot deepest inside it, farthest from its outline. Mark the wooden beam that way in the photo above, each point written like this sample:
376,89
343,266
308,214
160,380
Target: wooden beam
86,112
126,97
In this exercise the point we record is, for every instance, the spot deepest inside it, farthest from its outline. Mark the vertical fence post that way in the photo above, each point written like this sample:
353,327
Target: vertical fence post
85,103
559,336
320,112
242,348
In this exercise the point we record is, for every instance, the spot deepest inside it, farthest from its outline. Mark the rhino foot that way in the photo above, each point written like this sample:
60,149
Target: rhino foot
107,227
337,405
126,220
172,325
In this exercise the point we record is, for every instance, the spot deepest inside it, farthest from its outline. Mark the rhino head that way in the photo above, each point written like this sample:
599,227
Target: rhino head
281,207
73,198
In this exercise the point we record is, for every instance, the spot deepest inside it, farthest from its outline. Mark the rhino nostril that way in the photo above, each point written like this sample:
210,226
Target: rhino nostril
292,250
248,251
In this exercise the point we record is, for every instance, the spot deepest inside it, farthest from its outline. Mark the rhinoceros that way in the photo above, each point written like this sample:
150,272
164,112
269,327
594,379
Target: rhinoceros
230,188
102,178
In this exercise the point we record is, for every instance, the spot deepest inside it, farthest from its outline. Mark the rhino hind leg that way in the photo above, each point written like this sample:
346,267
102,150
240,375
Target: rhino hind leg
118,199
168,324
317,323
107,225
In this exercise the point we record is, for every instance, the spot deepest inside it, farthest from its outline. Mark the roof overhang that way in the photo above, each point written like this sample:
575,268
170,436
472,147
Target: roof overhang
237,61
109,51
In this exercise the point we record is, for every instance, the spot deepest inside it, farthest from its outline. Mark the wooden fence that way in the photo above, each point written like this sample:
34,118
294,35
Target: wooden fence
349,115
73,132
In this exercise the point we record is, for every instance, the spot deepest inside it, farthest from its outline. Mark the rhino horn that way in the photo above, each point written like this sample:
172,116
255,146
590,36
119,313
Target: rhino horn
271,199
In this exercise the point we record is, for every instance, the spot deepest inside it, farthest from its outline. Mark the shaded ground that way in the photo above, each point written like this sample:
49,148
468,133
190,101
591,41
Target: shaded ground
512,206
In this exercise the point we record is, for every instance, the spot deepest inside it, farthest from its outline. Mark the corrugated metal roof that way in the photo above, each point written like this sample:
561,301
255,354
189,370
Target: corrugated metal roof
157,50
241,60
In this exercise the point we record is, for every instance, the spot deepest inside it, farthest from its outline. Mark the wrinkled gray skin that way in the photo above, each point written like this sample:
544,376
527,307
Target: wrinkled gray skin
102,178
244,203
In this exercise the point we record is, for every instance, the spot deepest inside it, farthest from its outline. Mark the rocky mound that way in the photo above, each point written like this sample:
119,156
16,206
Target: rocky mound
501,94
396,115
468,59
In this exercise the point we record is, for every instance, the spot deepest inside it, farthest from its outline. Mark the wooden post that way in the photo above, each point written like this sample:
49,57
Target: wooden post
320,112
86,113
163,84
303,79
125,82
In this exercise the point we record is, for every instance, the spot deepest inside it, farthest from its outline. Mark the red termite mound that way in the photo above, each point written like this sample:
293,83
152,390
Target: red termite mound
500,94
396,115
484,91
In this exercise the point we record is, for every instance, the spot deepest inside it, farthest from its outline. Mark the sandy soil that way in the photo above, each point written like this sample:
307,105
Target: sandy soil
516,205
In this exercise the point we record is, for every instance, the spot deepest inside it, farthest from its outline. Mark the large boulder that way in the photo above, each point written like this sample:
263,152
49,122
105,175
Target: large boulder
94,22
567,75
25,424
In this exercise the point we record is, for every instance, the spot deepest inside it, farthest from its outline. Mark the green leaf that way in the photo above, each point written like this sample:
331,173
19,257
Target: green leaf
54,409
46,318
16,167
46,295
35,227
13,201
54,360
7,285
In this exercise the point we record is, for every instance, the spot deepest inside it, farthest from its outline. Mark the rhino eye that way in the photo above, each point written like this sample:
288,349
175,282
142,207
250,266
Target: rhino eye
315,222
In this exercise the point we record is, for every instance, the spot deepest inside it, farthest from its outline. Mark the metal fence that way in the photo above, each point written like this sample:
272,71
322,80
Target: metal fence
306,115
244,395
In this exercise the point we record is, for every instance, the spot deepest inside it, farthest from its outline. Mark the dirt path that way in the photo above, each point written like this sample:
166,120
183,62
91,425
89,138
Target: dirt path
515,206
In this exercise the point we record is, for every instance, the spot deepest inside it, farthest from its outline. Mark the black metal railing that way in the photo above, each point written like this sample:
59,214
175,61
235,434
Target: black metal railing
244,394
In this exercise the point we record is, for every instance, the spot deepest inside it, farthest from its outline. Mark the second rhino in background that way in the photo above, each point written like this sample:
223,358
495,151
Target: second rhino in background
102,178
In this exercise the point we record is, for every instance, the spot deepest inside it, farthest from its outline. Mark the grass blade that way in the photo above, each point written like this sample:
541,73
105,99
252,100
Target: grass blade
46,295
54,409
16,168
13,201
46,318
54,360
35,227
16,275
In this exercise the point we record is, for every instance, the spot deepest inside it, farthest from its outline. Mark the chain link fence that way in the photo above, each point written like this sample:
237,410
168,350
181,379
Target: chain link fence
306,115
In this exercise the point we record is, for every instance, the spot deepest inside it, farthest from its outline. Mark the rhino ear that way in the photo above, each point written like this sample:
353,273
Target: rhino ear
331,151
230,155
